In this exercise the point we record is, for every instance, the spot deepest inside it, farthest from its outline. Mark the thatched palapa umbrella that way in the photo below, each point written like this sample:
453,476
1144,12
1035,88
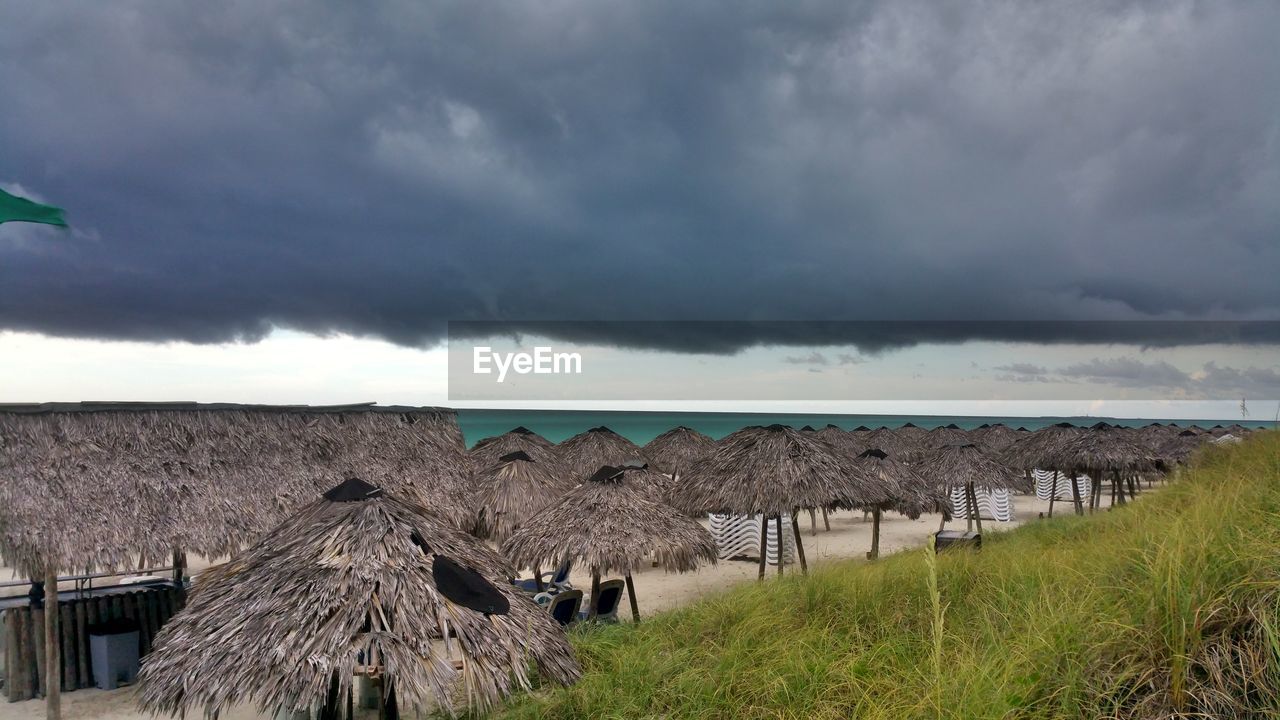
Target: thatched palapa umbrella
909,492
611,523
1178,448
995,438
358,582
585,452
768,471
520,438
677,449
509,492
968,466
1040,450
1099,451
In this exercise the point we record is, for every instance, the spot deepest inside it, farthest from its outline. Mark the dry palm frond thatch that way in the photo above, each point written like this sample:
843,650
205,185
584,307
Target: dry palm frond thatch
585,452
489,449
678,448
358,582
995,438
959,465
510,491
109,486
1102,450
769,470
1040,448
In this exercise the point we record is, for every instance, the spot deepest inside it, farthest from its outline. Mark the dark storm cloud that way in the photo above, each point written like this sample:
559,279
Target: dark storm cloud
381,171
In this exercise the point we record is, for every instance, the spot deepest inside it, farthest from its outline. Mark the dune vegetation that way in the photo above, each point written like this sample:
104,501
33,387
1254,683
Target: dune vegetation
1166,607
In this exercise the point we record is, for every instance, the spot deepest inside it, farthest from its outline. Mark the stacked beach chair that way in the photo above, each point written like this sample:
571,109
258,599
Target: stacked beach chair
994,505
738,536
1044,485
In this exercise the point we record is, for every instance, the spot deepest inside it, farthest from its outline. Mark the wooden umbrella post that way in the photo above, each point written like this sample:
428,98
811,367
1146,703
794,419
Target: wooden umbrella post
968,520
52,664
875,535
973,505
813,522
1053,493
595,594
631,595
777,525
537,579
826,521
764,540
1075,494
795,529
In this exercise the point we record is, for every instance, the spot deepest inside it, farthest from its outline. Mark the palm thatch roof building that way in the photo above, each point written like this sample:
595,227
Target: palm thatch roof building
587,451
358,582
110,486
677,449
611,524
768,471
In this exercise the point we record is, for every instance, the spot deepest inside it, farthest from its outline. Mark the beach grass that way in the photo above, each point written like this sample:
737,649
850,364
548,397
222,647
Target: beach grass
1163,608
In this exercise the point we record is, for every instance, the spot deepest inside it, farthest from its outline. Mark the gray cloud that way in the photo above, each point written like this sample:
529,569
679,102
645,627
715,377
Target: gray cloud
813,358
1126,371
381,171
1022,368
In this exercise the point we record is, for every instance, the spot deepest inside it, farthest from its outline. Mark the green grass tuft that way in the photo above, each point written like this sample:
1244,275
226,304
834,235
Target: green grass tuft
1163,608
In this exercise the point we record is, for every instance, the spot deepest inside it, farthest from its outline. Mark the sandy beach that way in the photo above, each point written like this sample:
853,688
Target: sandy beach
656,591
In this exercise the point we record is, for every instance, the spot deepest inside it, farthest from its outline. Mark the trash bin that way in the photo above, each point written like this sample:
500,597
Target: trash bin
947,539
114,652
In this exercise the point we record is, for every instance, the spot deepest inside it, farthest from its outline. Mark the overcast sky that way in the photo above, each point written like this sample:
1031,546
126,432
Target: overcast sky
234,172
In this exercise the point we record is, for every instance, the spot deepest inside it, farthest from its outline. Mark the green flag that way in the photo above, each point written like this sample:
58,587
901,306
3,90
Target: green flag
16,209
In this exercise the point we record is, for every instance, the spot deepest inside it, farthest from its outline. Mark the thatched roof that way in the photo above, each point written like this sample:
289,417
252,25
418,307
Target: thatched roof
510,491
488,451
585,452
911,431
612,525
957,465
1097,450
945,435
891,441
908,492
1179,447
847,442
1040,448
771,470
357,578
107,486
517,438
995,438
678,448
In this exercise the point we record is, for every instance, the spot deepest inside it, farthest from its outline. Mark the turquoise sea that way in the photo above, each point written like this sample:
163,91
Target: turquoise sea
642,426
